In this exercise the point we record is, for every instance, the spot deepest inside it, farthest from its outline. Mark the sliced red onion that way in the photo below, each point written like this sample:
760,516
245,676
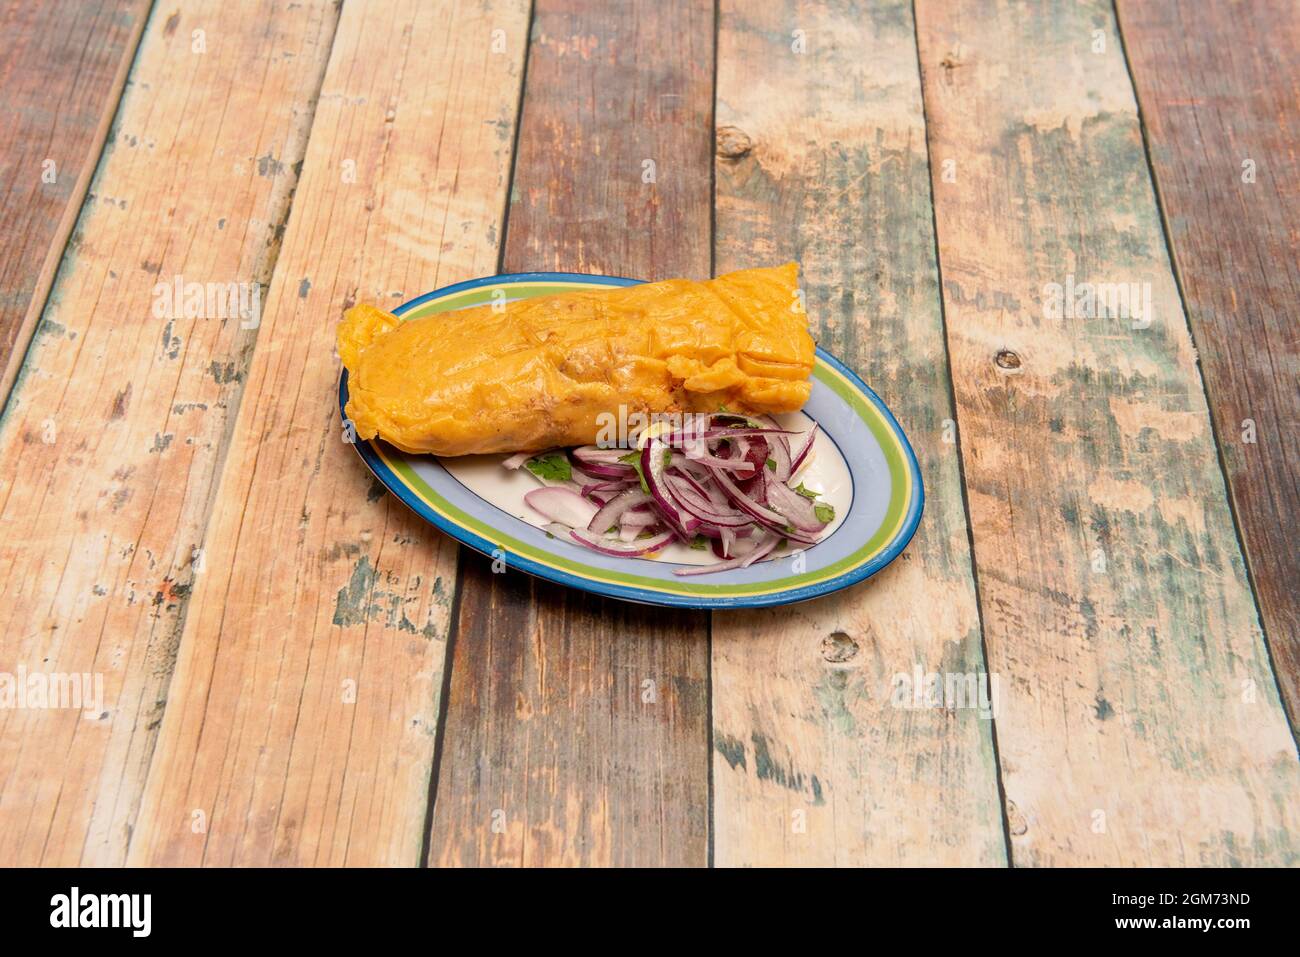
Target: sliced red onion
561,505
611,546
779,451
799,509
638,518
590,491
762,550
755,452
710,479
683,438
609,514
715,531
747,504
652,467
743,543
744,446
796,459
595,454
699,505
747,430
712,461
765,516
602,470
693,481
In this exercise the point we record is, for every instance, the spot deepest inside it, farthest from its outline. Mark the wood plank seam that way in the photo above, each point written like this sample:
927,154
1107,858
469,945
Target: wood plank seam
557,778
263,273
1286,695
453,627
16,354
961,460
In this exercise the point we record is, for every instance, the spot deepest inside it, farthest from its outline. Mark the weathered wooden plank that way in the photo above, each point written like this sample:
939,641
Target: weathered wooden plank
1140,722
301,719
62,66
113,435
822,158
577,728
1220,97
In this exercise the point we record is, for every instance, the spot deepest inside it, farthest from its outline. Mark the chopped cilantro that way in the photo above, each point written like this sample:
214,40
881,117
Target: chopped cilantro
699,543
634,459
824,512
771,463
553,466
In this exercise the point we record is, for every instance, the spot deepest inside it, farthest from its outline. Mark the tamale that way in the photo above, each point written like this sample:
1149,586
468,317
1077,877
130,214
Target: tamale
546,372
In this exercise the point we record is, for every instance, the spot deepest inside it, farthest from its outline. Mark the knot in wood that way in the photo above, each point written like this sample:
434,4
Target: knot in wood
838,647
733,143
1006,359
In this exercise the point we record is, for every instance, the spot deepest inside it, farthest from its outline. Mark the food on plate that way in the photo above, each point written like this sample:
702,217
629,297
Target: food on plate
548,372
723,481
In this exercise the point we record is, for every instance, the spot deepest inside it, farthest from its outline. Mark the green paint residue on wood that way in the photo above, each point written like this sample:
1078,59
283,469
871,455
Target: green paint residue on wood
363,601
732,750
767,769
834,694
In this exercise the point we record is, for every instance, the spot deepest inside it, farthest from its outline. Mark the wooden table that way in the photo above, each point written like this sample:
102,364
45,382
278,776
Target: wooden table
298,671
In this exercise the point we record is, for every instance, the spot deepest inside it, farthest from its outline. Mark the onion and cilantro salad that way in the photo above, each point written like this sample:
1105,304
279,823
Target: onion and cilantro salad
721,481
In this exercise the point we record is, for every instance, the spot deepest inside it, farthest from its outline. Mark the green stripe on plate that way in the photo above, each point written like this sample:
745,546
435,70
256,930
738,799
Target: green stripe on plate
482,296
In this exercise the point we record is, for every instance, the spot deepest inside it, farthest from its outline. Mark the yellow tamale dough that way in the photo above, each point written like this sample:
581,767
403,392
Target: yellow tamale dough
540,373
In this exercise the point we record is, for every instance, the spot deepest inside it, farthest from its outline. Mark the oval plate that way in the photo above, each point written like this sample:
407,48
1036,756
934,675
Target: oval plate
877,510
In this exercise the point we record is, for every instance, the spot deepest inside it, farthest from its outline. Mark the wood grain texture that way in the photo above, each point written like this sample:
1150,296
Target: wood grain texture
113,435
1220,95
817,758
577,727
62,66
1140,723
303,711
